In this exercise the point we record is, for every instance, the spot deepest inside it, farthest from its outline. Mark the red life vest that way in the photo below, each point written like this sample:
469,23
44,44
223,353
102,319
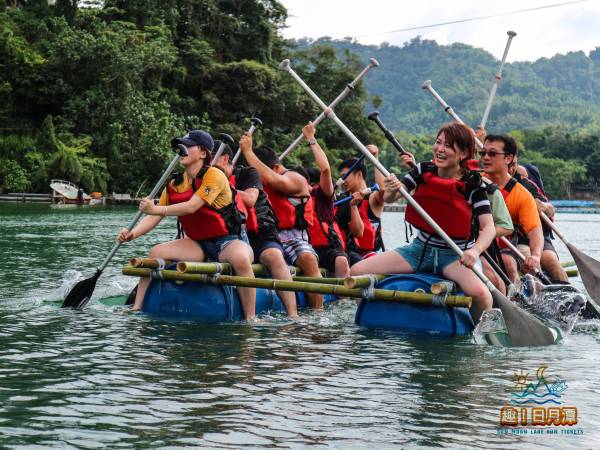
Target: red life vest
291,215
443,199
250,213
324,232
207,222
366,243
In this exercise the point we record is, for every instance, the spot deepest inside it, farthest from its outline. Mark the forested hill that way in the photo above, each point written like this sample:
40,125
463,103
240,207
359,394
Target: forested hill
563,90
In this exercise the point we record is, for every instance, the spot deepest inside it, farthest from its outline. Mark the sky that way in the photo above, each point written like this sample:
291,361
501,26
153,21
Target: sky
541,33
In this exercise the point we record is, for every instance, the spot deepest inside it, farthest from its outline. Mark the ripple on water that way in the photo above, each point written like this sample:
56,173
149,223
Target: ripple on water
106,378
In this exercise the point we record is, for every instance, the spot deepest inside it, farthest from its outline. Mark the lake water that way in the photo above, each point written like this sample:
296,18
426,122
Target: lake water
106,378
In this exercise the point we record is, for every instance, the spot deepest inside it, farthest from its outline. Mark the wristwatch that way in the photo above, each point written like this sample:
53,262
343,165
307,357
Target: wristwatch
312,141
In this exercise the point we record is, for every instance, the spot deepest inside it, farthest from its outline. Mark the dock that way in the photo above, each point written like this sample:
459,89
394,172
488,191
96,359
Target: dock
26,197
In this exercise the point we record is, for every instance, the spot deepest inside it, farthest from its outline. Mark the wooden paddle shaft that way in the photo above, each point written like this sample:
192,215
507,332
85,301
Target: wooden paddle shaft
296,286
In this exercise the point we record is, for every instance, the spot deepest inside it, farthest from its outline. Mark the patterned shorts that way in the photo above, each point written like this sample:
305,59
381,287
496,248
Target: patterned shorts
295,242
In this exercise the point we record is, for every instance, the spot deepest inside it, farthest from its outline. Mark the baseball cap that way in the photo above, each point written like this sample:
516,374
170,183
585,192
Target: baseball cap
195,137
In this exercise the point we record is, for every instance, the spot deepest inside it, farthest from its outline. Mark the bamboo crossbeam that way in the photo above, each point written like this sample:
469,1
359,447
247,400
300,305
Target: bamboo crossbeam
363,281
567,263
208,268
148,263
572,272
297,286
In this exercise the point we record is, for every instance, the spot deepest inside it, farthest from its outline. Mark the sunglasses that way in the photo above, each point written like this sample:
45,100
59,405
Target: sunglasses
491,153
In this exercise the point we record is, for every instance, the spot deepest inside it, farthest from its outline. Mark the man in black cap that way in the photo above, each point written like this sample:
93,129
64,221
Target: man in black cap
261,223
203,201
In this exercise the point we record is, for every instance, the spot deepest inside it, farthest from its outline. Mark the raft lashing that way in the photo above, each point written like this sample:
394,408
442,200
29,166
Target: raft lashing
396,302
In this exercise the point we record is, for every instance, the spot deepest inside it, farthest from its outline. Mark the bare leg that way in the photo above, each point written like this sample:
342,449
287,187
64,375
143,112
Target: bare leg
342,267
551,264
240,256
382,263
310,267
471,286
511,267
493,277
273,259
181,249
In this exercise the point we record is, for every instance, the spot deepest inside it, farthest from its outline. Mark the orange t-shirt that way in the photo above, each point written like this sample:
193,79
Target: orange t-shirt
522,208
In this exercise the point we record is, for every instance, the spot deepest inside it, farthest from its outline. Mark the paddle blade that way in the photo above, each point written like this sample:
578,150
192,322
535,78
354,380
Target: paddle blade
524,329
80,294
589,270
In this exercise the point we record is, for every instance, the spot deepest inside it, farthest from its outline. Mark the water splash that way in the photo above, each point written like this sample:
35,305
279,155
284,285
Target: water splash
491,323
558,305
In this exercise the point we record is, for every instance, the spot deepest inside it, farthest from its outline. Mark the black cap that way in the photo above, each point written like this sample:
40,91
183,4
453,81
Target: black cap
195,137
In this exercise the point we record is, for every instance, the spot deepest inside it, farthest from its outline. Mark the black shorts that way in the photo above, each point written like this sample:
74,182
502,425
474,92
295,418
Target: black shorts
327,257
354,257
260,243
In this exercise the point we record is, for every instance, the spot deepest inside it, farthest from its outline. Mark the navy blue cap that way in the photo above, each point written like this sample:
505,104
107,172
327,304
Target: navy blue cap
195,137
226,151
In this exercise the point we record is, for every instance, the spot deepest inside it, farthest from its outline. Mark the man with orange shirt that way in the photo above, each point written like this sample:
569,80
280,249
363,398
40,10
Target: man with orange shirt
499,152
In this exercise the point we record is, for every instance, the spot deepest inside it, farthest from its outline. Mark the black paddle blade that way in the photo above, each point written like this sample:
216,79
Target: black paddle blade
589,270
80,294
524,329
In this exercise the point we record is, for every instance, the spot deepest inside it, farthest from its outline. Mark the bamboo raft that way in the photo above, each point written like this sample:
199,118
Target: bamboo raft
207,292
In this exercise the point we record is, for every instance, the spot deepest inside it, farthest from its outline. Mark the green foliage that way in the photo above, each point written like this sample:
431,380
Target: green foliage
13,177
95,95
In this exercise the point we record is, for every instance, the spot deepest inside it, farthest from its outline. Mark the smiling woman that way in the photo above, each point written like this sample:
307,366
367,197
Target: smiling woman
453,196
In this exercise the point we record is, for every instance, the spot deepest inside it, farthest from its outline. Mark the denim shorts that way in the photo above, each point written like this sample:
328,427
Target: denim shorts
434,260
213,247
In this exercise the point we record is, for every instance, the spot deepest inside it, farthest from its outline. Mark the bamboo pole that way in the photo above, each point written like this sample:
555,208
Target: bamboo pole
211,267
297,286
148,263
572,272
567,263
362,281
442,287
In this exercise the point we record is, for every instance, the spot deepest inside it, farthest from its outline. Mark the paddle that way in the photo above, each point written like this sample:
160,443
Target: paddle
589,268
365,192
225,141
352,168
349,88
255,123
374,116
539,274
497,78
81,293
523,328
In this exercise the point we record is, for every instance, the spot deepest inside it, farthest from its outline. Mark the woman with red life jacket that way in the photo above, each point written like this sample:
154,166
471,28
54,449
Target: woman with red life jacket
261,223
455,198
206,206
325,234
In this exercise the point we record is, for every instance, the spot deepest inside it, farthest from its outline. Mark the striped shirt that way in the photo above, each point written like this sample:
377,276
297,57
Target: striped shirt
475,194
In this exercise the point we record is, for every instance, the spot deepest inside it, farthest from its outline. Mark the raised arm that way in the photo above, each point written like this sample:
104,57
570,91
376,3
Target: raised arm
325,181
290,183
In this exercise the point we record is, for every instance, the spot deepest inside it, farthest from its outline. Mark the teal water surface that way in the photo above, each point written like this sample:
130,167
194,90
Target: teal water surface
106,378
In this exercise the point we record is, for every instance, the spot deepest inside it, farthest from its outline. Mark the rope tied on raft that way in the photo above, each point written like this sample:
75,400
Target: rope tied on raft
369,291
440,299
157,274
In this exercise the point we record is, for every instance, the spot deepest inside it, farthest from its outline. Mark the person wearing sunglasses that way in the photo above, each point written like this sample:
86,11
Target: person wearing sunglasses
497,157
